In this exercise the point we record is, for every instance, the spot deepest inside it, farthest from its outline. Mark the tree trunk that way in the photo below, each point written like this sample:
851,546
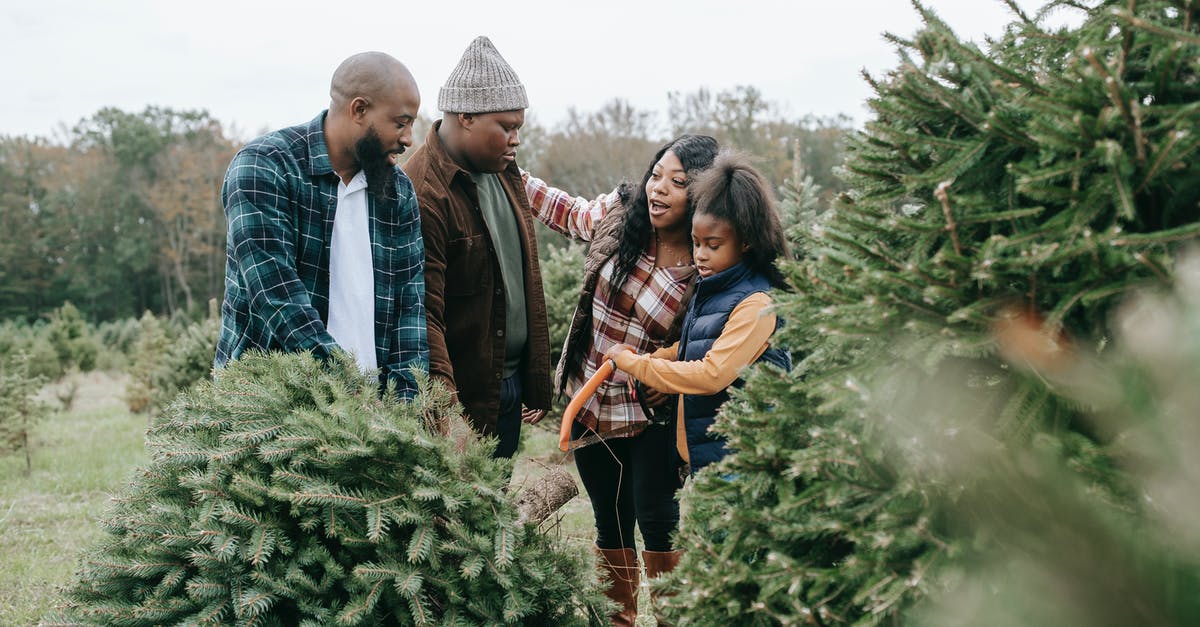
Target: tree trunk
547,494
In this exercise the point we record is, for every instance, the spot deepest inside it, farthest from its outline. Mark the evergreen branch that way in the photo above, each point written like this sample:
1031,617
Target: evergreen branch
504,546
1185,232
421,544
253,437
998,216
1111,84
940,193
327,498
409,585
1127,209
1139,139
254,603
1158,271
353,613
1012,6
1163,154
214,614
263,541
1183,36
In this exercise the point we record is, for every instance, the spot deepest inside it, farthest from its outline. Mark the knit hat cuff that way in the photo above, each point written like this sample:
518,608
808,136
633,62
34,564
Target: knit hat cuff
482,99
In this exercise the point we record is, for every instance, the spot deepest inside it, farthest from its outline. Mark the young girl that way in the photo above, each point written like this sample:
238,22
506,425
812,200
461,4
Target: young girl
736,238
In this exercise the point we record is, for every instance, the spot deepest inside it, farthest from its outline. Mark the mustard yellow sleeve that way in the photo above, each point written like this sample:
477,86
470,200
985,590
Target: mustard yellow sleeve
666,352
743,339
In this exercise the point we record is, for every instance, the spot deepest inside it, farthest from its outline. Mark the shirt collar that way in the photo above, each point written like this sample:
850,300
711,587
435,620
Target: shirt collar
318,151
357,183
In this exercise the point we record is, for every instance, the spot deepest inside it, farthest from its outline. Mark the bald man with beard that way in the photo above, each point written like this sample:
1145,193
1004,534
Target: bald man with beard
324,248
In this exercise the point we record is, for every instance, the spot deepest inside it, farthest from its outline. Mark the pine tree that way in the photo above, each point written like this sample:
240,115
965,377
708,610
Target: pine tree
1039,179
68,333
289,493
152,344
187,360
562,276
20,409
1037,521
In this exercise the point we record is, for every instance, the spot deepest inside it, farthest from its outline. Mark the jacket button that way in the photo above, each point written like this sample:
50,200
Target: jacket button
499,332
499,375
499,291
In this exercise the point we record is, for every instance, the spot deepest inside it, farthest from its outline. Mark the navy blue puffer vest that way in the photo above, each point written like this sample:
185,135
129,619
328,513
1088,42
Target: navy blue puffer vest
715,298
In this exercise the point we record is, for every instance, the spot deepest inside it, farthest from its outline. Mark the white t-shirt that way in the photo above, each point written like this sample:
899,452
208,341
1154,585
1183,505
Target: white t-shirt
351,275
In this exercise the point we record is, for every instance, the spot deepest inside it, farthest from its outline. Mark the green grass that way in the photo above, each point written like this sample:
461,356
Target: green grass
83,457
80,459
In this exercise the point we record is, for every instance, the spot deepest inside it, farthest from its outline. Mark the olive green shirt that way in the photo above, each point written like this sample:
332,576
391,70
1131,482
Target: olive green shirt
502,225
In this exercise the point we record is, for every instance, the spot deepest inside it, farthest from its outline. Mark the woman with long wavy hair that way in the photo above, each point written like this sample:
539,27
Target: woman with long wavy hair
638,275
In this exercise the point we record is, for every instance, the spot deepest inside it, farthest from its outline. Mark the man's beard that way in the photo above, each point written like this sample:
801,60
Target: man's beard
376,164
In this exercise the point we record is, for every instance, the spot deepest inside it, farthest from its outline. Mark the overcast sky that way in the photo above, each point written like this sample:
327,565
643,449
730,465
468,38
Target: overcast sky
259,65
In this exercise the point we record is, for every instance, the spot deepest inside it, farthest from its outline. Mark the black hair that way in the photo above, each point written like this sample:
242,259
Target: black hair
734,191
695,152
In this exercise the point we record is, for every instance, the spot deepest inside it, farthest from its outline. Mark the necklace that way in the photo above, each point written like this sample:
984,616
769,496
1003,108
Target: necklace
662,250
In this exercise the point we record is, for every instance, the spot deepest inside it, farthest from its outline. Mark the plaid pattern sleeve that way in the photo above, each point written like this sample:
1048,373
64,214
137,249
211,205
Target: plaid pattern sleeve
640,316
280,196
573,216
408,349
267,304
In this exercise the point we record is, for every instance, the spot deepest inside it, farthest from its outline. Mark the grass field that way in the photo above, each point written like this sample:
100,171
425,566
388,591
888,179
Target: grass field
83,456
80,458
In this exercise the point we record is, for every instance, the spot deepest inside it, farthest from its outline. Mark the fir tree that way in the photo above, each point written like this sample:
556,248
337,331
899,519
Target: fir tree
20,409
68,333
1042,178
151,346
562,276
187,360
289,493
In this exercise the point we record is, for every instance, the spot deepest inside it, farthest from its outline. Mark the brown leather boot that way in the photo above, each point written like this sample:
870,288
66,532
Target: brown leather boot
658,563
621,568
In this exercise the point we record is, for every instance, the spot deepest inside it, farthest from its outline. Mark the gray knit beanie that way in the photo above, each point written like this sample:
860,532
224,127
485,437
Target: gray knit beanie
483,82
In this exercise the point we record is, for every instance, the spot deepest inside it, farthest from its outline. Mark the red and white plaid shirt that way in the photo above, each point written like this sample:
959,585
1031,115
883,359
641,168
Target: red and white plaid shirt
639,316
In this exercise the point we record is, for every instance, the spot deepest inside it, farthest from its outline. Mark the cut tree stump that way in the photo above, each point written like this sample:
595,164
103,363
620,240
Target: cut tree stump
549,493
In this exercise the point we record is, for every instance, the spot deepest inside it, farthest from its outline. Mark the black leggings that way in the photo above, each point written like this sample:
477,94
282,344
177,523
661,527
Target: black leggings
630,479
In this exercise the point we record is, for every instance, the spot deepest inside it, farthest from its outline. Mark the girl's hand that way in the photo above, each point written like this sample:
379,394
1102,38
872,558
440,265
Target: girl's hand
532,416
617,350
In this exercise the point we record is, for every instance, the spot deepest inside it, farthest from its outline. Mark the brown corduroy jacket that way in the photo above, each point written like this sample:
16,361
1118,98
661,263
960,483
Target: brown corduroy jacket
464,291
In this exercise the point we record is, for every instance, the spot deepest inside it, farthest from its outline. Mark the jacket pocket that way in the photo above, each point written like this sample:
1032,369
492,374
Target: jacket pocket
466,265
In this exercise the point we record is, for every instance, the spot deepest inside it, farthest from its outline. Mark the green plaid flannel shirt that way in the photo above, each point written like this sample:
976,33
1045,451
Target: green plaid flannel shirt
280,194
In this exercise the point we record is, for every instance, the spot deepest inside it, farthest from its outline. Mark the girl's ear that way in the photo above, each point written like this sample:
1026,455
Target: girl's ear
745,247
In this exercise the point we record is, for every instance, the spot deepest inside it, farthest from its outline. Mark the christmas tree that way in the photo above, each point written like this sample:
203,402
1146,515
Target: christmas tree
287,492
1031,183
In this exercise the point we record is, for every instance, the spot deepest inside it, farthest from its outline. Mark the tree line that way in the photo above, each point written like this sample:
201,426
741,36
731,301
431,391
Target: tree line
123,215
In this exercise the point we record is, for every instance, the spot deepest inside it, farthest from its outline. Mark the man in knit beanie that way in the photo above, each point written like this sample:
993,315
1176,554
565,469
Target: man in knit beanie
488,337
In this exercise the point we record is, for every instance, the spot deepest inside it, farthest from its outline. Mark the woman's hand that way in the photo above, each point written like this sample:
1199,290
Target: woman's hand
617,350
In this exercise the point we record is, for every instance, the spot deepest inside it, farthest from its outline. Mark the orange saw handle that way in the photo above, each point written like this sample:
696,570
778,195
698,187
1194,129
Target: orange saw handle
589,388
